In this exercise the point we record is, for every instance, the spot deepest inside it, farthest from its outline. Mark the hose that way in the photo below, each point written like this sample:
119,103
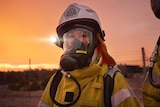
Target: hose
152,61
79,91
154,84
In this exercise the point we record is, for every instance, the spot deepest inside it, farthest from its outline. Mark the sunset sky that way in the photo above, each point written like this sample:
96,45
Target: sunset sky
27,25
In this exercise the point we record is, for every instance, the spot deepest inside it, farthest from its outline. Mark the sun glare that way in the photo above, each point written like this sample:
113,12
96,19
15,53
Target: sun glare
53,39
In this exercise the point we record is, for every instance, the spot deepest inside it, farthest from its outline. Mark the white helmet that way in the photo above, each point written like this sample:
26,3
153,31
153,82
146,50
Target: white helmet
79,14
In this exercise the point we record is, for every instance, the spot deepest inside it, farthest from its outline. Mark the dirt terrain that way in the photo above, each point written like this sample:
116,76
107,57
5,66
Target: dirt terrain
19,98
30,99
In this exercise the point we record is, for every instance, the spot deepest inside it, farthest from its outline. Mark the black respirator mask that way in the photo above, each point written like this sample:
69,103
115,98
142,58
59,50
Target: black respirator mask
78,45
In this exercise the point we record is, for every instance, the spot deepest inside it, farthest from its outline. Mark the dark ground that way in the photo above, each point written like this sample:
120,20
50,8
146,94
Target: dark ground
30,99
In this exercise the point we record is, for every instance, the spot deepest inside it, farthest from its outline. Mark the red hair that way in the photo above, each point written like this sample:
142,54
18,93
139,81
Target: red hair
106,58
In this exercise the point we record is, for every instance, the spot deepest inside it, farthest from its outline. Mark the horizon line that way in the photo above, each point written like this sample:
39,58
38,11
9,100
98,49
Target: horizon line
22,67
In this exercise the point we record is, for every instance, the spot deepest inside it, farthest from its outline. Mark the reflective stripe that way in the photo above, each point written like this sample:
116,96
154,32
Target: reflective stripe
121,96
81,51
41,104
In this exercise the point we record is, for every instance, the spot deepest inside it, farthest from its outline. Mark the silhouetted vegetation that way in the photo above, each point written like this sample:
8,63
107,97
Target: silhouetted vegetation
129,70
31,80
28,80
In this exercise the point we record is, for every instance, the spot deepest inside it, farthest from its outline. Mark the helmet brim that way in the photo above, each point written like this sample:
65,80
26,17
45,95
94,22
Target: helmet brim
61,29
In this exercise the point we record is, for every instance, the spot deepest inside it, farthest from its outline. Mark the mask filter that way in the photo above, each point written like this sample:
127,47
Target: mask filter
68,63
73,61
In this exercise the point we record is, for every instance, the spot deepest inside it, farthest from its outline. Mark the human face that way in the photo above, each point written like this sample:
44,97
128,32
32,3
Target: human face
77,39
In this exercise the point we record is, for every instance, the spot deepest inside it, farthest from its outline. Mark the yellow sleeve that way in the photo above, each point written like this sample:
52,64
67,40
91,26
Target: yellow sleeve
123,95
151,95
45,98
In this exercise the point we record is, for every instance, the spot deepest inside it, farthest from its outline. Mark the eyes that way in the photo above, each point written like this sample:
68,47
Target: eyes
78,37
77,34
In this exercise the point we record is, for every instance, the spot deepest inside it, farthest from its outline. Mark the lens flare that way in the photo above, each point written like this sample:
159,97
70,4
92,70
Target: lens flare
53,39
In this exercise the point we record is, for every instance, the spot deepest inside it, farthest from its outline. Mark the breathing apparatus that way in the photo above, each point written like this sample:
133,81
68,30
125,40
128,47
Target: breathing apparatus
79,53
77,32
152,61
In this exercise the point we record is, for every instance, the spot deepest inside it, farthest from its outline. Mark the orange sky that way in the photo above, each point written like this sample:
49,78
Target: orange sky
27,25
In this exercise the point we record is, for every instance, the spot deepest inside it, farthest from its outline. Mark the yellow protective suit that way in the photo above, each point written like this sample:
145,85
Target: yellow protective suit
151,94
92,85
91,82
